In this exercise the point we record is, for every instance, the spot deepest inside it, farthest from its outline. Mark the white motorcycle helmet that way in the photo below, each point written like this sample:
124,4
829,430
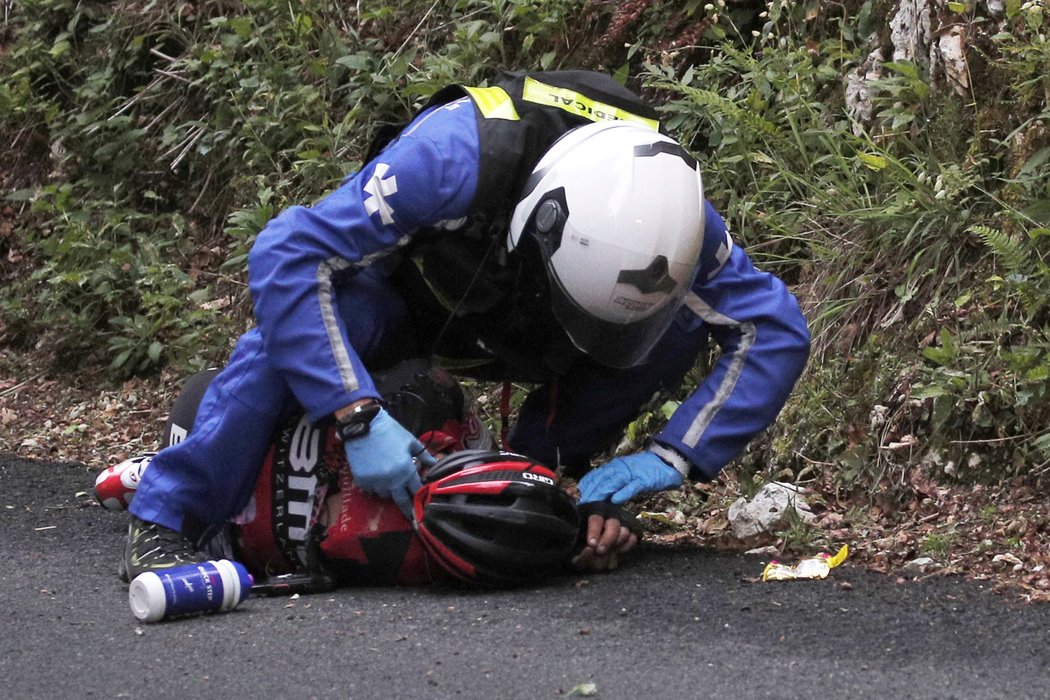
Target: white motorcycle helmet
617,212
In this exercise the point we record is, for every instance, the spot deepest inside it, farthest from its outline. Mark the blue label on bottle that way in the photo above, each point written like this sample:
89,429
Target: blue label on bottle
194,588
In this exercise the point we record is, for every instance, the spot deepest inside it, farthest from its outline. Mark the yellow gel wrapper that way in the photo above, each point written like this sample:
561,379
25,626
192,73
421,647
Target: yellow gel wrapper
812,568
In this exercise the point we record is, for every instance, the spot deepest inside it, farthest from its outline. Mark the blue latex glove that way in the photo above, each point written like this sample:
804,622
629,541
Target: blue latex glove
623,478
386,461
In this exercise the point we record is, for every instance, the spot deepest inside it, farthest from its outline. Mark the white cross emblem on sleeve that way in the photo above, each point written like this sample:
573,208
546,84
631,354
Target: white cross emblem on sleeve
378,190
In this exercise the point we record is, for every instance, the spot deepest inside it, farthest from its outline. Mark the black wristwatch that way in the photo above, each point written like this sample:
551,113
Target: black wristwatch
358,422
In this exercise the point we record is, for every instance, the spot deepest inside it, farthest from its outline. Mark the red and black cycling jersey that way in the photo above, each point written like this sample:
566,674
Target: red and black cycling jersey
306,512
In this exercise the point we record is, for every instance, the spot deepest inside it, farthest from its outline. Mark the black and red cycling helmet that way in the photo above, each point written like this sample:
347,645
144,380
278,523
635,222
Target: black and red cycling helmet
495,518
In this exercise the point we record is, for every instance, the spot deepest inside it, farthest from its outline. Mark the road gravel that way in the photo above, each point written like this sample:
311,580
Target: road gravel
671,623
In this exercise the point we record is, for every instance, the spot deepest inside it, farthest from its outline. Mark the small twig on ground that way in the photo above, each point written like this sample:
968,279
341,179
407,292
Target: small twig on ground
16,387
414,30
204,188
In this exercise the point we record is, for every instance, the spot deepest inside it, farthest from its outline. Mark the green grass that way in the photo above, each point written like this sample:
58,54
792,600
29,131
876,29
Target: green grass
150,142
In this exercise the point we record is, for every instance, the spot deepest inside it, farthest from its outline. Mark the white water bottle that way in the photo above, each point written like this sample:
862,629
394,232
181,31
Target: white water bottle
203,587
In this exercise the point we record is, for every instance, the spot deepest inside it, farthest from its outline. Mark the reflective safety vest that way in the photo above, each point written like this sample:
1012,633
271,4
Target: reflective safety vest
492,296
522,114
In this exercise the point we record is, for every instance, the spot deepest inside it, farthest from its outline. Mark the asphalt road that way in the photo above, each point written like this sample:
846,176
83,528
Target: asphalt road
671,623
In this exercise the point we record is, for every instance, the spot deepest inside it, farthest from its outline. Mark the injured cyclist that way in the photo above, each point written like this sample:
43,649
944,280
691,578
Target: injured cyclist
482,517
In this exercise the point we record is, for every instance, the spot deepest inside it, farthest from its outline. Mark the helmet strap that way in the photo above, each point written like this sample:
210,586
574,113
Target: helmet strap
466,293
504,414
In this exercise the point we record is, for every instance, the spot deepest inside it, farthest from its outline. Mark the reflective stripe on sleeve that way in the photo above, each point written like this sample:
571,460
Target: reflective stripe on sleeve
326,298
736,366
326,271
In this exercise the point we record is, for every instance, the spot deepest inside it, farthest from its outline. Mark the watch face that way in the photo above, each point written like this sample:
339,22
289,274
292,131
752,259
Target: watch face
349,431
358,422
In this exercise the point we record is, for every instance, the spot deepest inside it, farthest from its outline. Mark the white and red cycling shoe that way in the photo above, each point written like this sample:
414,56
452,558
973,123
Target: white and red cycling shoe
116,486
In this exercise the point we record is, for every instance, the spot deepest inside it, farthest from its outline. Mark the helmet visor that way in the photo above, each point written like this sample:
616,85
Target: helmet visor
618,221
615,344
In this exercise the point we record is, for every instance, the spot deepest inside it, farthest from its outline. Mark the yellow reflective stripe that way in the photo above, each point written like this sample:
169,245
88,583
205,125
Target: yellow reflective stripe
444,300
452,364
575,103
493,102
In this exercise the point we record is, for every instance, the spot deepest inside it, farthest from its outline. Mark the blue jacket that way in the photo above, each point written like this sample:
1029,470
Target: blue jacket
426,180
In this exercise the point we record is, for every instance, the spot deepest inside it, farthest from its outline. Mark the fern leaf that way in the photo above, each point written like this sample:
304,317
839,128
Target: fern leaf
714,103
1014,255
